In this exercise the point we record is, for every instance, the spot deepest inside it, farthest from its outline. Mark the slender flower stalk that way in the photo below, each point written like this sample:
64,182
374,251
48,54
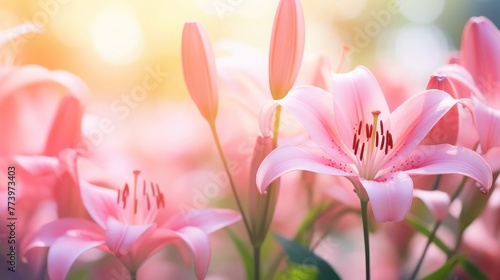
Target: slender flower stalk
366,236
231,181
200,75
427,245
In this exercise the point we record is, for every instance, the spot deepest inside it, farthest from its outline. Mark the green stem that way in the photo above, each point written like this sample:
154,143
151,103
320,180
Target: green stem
231,182
429,241
437,182
364,215
256,257
276,127
133,274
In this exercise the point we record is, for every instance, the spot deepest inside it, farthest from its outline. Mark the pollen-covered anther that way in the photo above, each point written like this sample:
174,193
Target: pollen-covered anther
367,140
123,195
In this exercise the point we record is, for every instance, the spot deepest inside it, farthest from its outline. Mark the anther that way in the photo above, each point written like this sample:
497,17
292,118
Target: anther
361,153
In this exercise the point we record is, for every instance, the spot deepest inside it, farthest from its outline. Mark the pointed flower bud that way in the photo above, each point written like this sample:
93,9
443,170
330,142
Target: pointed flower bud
261,206
199,69
287,47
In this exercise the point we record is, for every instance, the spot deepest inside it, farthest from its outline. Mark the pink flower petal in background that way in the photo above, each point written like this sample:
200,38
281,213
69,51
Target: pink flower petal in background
446,129
436,201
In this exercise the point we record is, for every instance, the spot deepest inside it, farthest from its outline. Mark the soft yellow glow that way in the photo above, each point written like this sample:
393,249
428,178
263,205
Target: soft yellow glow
422,11
116,35
348,10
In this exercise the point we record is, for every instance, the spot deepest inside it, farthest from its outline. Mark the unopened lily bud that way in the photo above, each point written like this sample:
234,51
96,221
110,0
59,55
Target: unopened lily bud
261,206
200,74
287,47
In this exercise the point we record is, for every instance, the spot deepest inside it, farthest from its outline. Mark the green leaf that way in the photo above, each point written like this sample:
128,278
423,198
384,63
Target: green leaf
245,255
446,269
298,254
473,270
303,235
417,224
299,272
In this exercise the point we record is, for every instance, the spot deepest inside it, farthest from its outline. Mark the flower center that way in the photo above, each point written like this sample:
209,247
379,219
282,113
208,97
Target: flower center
141,204
369,143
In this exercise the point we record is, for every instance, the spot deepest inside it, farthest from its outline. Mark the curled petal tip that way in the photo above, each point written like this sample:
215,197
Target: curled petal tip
199,69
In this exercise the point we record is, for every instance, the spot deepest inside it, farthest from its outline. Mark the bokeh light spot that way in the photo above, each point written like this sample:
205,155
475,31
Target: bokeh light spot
117,36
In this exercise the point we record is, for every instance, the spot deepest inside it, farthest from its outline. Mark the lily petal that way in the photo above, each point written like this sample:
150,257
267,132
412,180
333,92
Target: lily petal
356,94
66,127
121,237
287,47
491,157
39,165
487,125
208,219
64,252
390,196
99,202
200,73
446,129
49,233
312,107
461,79
480,56
408,130
448,159
30,75
289,158
436,201
199,244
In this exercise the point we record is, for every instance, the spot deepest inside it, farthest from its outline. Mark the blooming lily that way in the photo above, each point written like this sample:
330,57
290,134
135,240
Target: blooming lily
125,225
361,139
480,55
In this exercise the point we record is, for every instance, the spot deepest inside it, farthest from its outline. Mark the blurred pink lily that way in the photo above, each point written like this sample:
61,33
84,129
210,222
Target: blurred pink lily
363,141
200,74
287,47
446,129
125,225
480,55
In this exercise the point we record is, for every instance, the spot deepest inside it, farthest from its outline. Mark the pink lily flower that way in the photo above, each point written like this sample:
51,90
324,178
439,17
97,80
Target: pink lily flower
28,96
125,225
287,47
480,55
362,140
446,129
200,74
